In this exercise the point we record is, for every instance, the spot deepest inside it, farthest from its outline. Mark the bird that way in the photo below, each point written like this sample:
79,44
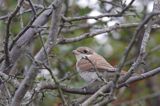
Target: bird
93,67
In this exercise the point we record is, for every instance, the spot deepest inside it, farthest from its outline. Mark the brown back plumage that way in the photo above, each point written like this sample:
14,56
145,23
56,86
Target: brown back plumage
99,63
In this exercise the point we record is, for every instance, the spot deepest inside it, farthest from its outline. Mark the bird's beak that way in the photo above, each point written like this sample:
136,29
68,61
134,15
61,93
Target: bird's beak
75,52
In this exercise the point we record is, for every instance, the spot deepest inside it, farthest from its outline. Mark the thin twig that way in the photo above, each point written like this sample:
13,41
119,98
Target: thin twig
100,16
26,11
96,94
40,57
45,51
57,84
96,70
92,34
9,79
33,8
156,48
12,15
23,31
143,45
142,50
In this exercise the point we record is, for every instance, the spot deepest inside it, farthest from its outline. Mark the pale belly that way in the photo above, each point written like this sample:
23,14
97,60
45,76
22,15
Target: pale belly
89,76
92,76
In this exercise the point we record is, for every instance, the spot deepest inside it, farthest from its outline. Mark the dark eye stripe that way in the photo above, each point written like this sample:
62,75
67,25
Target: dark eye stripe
85,51
82,51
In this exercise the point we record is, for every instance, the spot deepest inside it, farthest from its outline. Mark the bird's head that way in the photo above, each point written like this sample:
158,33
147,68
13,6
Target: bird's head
82,52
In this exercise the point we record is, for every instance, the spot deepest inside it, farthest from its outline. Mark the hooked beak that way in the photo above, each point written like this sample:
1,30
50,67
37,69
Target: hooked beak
75,52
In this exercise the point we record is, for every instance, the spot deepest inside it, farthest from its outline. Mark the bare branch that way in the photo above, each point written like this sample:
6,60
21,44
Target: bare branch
92,34
6,50
40,56
26,11
100,16
141,77
32,7
82,91
96,94
23,31
10,79
141,56
57,84
26,37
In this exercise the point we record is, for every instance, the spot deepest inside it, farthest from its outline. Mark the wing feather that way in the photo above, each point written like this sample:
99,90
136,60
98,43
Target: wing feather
100,64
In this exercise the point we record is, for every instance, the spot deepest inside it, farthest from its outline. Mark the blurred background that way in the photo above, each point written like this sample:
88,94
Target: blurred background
111,45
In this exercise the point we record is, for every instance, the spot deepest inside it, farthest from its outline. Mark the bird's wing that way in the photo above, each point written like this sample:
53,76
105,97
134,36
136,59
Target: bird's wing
90,63
102,65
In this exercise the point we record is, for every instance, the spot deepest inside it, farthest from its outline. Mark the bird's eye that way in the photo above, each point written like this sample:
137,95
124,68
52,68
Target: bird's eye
85,51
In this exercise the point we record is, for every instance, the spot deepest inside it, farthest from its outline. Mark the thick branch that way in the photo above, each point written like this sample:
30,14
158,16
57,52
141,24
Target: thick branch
26,38
40,56
90,91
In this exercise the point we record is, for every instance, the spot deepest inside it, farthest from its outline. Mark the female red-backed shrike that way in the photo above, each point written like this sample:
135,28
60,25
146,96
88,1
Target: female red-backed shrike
91,66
